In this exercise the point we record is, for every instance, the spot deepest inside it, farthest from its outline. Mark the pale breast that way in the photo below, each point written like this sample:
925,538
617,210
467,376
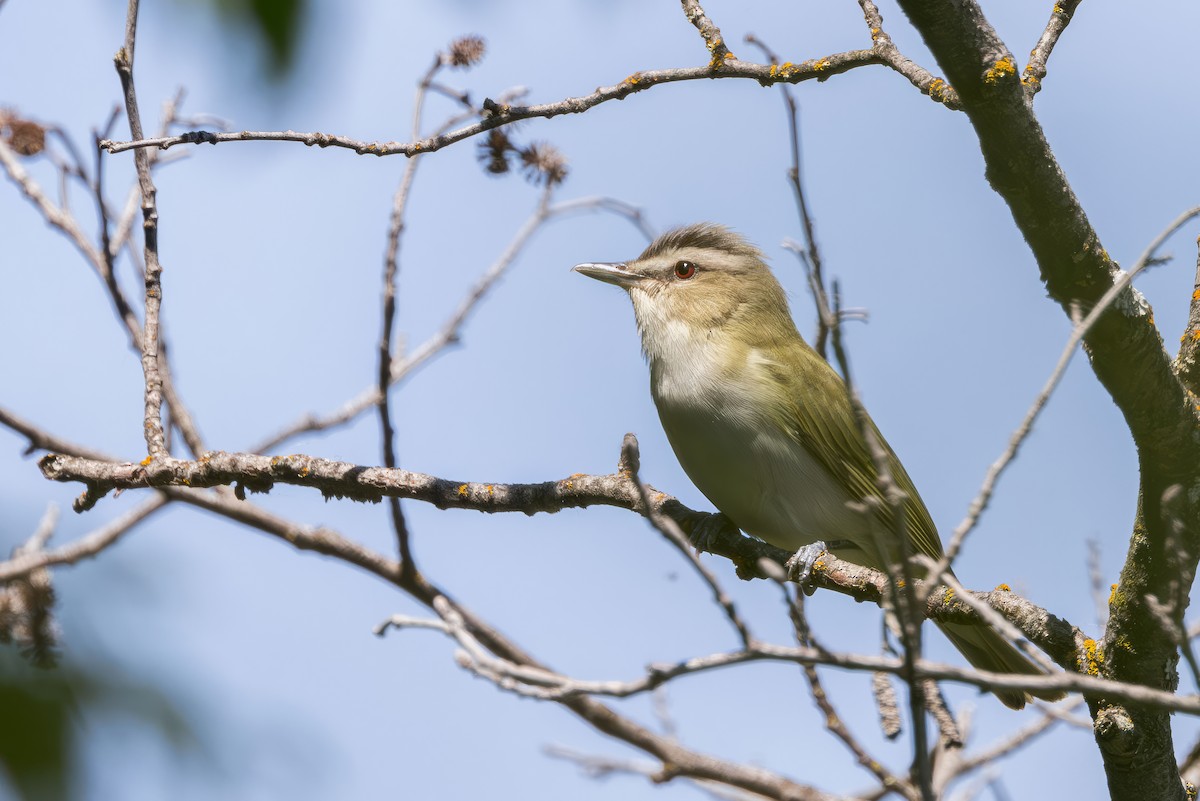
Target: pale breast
762,479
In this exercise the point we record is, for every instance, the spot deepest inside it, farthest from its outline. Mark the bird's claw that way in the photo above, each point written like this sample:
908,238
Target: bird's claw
706,528
800,565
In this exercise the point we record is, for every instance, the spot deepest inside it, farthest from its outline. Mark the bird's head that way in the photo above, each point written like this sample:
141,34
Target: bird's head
699,283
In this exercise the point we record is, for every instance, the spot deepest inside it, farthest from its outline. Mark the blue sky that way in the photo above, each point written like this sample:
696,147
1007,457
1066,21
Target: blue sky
272,256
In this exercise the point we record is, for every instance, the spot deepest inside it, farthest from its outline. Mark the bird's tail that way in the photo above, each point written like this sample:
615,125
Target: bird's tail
985,649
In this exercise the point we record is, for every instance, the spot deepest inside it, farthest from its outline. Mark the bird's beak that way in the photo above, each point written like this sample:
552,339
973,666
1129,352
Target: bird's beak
618,274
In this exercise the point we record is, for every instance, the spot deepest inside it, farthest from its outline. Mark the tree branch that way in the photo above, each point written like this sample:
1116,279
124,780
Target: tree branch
1035,70
505,114
155,437
1128,357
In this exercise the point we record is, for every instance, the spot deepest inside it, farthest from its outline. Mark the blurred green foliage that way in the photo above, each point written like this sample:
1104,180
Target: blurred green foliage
278,25
44,715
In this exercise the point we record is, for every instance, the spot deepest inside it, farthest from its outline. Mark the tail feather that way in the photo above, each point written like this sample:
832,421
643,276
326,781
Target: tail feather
985,649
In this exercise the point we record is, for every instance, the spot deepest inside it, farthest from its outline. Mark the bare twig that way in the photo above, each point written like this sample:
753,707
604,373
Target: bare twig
1118,290
906,600
83,548
155,438
810,256
529,679
543,683
403,366
1051,716
1035,70
630,465
601,767
504,114
54,215
834,722
391,268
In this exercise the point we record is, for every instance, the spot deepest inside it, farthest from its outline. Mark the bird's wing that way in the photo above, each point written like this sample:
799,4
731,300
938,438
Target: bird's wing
821,419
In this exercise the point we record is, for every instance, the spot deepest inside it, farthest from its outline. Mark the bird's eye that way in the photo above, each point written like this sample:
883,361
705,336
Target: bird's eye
685,269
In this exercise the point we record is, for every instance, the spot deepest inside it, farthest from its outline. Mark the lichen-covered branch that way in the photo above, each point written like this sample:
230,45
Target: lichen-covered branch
1035,70
498,114
1128,357
929,84
711,33
254,473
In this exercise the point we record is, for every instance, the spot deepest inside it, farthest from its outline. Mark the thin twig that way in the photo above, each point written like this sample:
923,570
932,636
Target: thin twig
1119,287
504,114
810,257
404,366
629,465
85,547
834,722
903,584
1035,70
1018,739
545,684
155,438
391,268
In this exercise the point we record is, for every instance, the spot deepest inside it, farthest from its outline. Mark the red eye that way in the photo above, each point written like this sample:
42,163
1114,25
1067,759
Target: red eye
684,269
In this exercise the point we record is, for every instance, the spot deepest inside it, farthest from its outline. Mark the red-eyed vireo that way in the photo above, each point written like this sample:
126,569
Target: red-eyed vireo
762,424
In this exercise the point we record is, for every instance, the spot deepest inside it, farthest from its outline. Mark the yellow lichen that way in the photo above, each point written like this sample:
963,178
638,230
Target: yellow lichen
821,64
1092,657
1058,9
1112,594
1001,69
1003,588
633,79
147,461
462,490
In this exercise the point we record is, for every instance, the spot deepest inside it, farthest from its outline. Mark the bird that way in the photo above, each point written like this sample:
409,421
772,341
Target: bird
763,425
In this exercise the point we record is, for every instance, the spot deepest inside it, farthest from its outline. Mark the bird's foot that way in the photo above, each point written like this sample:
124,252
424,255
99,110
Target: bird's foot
706,528
800,565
